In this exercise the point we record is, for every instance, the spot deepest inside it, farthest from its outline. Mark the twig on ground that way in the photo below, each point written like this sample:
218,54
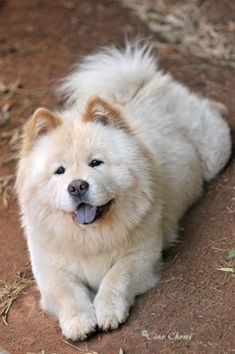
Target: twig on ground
227,269
84,351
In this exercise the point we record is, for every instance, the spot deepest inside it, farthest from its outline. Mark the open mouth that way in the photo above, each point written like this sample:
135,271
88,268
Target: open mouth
86,214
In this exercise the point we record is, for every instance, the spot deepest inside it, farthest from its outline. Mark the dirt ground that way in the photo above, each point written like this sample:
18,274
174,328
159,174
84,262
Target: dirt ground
190,311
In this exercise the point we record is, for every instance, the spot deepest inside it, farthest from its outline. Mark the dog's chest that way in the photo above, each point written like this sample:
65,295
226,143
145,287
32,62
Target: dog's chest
93,269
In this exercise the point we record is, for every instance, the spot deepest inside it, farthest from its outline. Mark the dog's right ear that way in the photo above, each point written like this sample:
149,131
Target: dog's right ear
42,122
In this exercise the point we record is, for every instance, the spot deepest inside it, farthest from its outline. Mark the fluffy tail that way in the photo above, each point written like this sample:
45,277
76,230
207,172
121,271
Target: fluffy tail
112,73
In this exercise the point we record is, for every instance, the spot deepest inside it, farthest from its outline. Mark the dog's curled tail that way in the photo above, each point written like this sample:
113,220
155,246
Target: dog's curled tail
111,73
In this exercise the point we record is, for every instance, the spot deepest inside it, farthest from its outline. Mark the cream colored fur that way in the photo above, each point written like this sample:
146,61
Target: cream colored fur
158,146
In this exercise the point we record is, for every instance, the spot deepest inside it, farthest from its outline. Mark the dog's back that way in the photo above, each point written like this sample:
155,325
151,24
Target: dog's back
131,75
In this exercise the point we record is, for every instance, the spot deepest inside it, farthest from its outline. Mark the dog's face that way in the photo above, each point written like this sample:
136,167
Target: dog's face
86,167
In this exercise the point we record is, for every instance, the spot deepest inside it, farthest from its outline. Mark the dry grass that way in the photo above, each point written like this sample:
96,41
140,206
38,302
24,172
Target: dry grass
185,28
10,291
5,114
7,182
8,160
229,265
6,187
11,137
10,96
15,89
7,92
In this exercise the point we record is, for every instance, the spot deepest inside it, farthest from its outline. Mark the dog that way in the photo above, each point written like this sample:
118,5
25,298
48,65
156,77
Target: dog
103,183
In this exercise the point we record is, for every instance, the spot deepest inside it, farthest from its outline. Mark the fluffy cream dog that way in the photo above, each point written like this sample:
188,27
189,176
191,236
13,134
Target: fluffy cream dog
103,183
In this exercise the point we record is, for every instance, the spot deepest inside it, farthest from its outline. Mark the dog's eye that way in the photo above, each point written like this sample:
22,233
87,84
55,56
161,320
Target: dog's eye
60,170
95,163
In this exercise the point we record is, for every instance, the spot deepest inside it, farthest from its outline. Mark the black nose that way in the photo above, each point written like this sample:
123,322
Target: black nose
78,187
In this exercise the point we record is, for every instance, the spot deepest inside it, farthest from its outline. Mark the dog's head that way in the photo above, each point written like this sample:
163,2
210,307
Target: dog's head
88,167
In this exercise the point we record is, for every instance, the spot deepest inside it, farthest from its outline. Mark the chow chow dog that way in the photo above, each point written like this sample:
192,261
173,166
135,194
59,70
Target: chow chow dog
103,183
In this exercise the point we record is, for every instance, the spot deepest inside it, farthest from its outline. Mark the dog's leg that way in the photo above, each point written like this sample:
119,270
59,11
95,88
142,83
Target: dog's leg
70,301
130,276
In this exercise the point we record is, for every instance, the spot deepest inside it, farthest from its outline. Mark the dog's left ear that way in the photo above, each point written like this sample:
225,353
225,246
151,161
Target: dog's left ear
100,111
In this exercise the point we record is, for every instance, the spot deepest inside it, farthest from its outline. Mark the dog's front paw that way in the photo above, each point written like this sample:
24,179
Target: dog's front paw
111,312
79,326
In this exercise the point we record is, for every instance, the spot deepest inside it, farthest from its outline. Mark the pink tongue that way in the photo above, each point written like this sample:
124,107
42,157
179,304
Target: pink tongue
85,214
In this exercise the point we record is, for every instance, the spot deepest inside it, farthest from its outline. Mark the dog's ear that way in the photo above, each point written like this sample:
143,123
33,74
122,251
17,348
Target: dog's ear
41,122
98,110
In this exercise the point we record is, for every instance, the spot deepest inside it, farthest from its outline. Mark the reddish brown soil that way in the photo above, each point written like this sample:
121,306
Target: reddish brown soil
39,40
